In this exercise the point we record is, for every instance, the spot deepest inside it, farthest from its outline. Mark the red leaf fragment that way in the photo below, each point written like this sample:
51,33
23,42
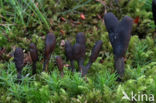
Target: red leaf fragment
82,16
62,32
136,20
63,19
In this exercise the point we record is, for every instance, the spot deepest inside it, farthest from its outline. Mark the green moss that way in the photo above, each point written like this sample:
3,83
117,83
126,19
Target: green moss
30,23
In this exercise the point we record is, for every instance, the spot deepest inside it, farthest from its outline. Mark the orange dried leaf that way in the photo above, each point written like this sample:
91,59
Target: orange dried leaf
62,32
63,19
82,16
136,20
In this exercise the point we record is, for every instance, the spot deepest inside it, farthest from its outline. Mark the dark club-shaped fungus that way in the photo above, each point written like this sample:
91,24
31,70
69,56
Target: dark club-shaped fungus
68,53
95,52
19,61
119,35
77,52
34,57
50,43
59,62
79,49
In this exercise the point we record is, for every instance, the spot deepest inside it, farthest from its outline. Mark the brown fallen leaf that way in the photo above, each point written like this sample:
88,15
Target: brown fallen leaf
66,65
2,51
27,58
63,19
125,59
62,32
99,16
51,21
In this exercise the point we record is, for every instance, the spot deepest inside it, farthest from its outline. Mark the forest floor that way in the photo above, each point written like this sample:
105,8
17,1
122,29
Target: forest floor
25,21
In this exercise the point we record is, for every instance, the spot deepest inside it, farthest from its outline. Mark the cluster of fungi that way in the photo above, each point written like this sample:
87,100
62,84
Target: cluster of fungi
75,52
119,36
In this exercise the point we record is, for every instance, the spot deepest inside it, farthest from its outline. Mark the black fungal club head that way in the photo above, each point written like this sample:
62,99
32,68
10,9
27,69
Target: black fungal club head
69,54
122,36
80,38
79,50
33,52
68,51
111,22
95,52
79,46
50,43
119,36
34,56
19,61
